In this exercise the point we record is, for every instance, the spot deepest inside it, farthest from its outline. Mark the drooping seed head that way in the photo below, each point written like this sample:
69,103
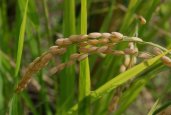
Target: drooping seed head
47,57
53,70
83,50
102,49
134,60
30,66
54,50
94,35
122,68
82,57
67,42
131,45
93,42
117,52
36,60
127,60
130,51
106,35
92,49
142,20
61,66
62,51
83,44
166,60
74,38
136,39
60,41
83,38
104,41
157,51
144,55
116,36
74,56
168,64
69,63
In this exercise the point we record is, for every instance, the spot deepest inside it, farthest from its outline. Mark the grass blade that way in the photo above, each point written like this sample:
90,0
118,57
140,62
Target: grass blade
131,94
163,108
14,106
84,78
14,103
123,77
120,79
154,107
21,40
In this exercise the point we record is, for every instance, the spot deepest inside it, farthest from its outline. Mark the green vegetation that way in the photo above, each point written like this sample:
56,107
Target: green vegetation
85,57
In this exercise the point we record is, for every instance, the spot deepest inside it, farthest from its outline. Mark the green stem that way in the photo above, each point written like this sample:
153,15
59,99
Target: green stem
84,79
139,40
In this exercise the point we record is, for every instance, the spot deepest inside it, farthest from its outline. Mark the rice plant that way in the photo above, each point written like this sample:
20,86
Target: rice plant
85,57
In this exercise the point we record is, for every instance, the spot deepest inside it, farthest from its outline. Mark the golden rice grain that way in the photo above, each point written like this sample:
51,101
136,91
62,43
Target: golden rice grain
82,57
94,35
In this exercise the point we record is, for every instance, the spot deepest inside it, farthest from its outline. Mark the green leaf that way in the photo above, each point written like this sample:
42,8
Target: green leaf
14,105
120,79
154,107
123,77
84,78
21,40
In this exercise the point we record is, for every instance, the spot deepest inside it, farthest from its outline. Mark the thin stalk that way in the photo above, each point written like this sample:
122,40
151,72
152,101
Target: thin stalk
21,40
138,40
14,103
84,79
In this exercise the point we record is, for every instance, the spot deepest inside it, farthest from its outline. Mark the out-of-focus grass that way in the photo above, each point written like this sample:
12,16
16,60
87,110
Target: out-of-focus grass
67,83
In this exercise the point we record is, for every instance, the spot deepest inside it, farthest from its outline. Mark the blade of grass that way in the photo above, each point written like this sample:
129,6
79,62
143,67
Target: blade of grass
21,40
84,78
162,107
154,107
120,79
130,94
129,15
113,63
150,10
123,77
14,103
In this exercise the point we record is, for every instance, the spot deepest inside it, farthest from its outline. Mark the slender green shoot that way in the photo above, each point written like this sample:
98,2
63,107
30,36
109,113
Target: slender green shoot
84,78
21,40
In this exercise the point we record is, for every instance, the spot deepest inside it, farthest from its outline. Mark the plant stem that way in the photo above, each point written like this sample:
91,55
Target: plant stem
84,79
